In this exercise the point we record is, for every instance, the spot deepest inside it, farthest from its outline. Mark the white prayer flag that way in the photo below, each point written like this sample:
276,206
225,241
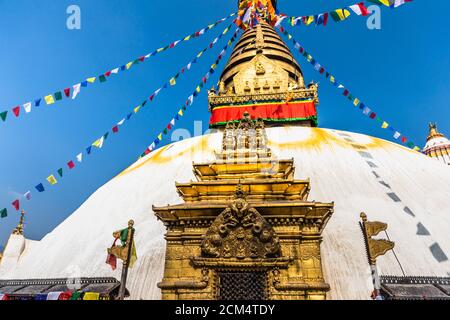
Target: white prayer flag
116,70
76,90
27,107
27,195
121,122
80,157
172,122
356,9
397,135
191,99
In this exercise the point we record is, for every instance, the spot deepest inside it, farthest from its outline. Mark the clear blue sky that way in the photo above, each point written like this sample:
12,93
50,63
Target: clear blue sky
402,71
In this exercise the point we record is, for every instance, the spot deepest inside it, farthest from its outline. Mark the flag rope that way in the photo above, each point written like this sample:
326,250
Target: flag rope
337,15
115,129
190,99
346,92
73,91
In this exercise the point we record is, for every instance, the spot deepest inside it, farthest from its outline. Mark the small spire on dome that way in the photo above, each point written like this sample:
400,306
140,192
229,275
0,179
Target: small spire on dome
434,133
19,229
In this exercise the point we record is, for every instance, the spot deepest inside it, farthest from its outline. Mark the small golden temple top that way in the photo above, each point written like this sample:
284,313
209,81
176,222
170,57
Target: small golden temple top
434,133
19,229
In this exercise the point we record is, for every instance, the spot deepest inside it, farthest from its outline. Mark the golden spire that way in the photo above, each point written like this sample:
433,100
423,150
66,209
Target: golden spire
434,133
19,229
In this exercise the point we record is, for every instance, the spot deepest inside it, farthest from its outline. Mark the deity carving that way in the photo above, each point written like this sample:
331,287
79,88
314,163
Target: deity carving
240,232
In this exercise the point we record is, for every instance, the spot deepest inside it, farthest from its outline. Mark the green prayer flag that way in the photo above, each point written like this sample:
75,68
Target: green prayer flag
165,131
4,213
75,295
184,108
60,172
3,115
58,95
136,61
102,78
106,136
411,144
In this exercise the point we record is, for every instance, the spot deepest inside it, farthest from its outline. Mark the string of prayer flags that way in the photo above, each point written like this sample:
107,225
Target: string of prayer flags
190,99
337,15
76,88
346,92
115,129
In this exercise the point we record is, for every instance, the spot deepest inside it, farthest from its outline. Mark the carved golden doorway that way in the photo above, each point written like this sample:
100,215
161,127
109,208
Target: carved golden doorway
241,285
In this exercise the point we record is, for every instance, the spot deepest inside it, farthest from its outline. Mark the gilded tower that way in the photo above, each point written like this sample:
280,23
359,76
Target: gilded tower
263,78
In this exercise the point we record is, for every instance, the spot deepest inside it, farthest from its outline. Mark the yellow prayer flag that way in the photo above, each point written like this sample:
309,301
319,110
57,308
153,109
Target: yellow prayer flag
226,30
343,13
52,180
91,296
91,80
133,257
309,20
129,64
211,26
160,137
200,54
385,125
173,82
309,58
180,112
198,89
187,38
385,2
160,49
416,148
136,110
356,102
49,99
332,80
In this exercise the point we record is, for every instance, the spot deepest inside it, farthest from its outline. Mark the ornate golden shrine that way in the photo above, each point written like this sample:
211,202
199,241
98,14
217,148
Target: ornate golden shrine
246,229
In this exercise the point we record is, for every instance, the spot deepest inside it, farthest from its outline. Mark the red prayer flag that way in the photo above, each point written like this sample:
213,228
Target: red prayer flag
67,92
325,18
142,58
346,92
115,129
169,126
147,151
404,139
363,9
108,73
16,205
373,115
65,295
151,97
71,164
16,111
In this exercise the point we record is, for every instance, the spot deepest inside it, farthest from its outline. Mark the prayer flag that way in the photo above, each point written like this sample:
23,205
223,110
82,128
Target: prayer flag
115,129
340,14
91,296
27,195
384,2
84,84
52,180
115,71
60,172
37,102
40,187
385,125
397,135
404,139
4,213
67,92
128,65
108,73
49,99
16,111
99,143
16,204
71,164
27,107
360,9
58,95
180,112
160,137
80,157
102,78
372,115
88,150
136,110
173,82
398,3
356,102
76,90
121,122
91,80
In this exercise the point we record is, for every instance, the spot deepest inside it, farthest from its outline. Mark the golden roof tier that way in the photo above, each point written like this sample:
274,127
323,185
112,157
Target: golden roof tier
263,78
